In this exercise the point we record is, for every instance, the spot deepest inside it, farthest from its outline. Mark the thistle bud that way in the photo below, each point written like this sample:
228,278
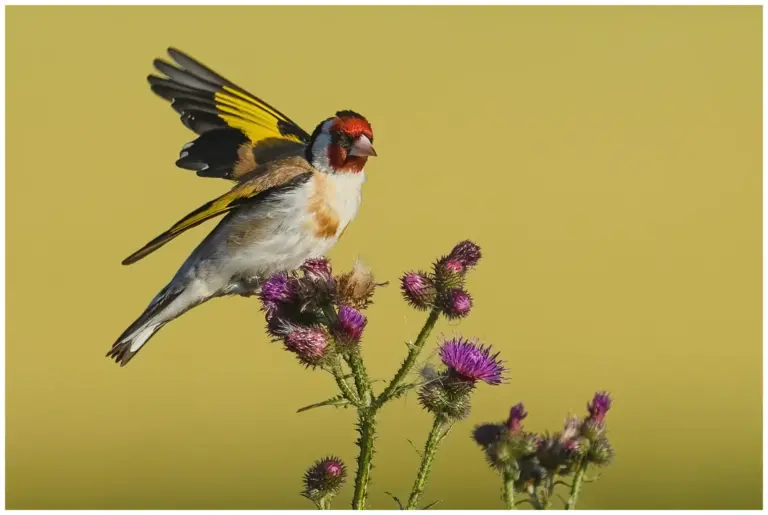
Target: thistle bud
275,291
516,416
309,344
555,455
466,254
418,289
592,430
349,326
449,274
324,479
448,397
599,406
600,452
457,303
433,397
486,434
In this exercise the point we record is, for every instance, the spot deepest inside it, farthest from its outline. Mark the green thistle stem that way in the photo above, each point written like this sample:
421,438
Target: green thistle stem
509,490
324,504
338,375
367,429
548,492
369,406
578,480
535,500
362,382
366,415
410,360
430,449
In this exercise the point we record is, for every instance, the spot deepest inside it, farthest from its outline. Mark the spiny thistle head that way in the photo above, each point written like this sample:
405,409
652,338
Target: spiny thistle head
451,269
486,434
600,452
555,454
356,288
309,344
324,479
505,444
472,361
441,398
433,397
531,474
591,429
276,290
516,416
599,406
456,303
448,273
418,289
466,254
349,326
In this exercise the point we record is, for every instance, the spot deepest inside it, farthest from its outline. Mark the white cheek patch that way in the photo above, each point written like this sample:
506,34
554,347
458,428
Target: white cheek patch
320,148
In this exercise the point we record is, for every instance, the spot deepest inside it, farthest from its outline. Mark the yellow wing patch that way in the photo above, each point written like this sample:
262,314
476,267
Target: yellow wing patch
256,119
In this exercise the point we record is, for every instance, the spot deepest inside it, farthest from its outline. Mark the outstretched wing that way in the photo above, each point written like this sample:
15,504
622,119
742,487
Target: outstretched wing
284,176
238,131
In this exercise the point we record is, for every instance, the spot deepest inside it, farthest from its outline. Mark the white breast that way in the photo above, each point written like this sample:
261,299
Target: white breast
289,237
346,197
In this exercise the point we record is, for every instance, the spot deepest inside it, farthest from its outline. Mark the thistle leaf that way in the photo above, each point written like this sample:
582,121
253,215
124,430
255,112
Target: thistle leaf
414,447
339,401
394,497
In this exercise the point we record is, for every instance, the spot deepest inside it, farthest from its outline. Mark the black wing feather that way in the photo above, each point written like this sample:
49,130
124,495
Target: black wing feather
193,91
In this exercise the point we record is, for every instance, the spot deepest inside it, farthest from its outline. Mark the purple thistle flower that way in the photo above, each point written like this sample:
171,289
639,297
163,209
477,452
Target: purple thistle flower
472,361
466,253
599,406
418,289
317,268
516,416
325,477
349,326
310,345
276,290
458,303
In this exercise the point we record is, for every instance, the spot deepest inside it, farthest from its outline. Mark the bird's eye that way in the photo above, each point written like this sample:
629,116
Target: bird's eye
345,140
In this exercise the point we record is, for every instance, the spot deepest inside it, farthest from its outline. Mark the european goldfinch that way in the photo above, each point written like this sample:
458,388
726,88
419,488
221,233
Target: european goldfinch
295,193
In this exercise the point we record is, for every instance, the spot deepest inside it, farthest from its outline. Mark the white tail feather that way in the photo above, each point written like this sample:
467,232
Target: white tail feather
140,337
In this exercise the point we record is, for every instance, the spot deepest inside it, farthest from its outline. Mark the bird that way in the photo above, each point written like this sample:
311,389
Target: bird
293,196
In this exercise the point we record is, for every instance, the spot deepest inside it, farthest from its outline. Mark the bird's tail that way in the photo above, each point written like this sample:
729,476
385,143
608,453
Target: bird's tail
152,320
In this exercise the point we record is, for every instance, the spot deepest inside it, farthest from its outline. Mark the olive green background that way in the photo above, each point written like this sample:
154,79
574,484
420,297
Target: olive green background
607,160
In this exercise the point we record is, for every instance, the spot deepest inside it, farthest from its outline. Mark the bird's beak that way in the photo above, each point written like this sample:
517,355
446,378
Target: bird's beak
362,147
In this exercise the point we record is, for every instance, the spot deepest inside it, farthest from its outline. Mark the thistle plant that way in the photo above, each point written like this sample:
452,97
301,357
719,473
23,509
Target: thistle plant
535,465
319,317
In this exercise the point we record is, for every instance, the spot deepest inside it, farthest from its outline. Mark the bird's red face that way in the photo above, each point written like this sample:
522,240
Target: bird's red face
344,143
